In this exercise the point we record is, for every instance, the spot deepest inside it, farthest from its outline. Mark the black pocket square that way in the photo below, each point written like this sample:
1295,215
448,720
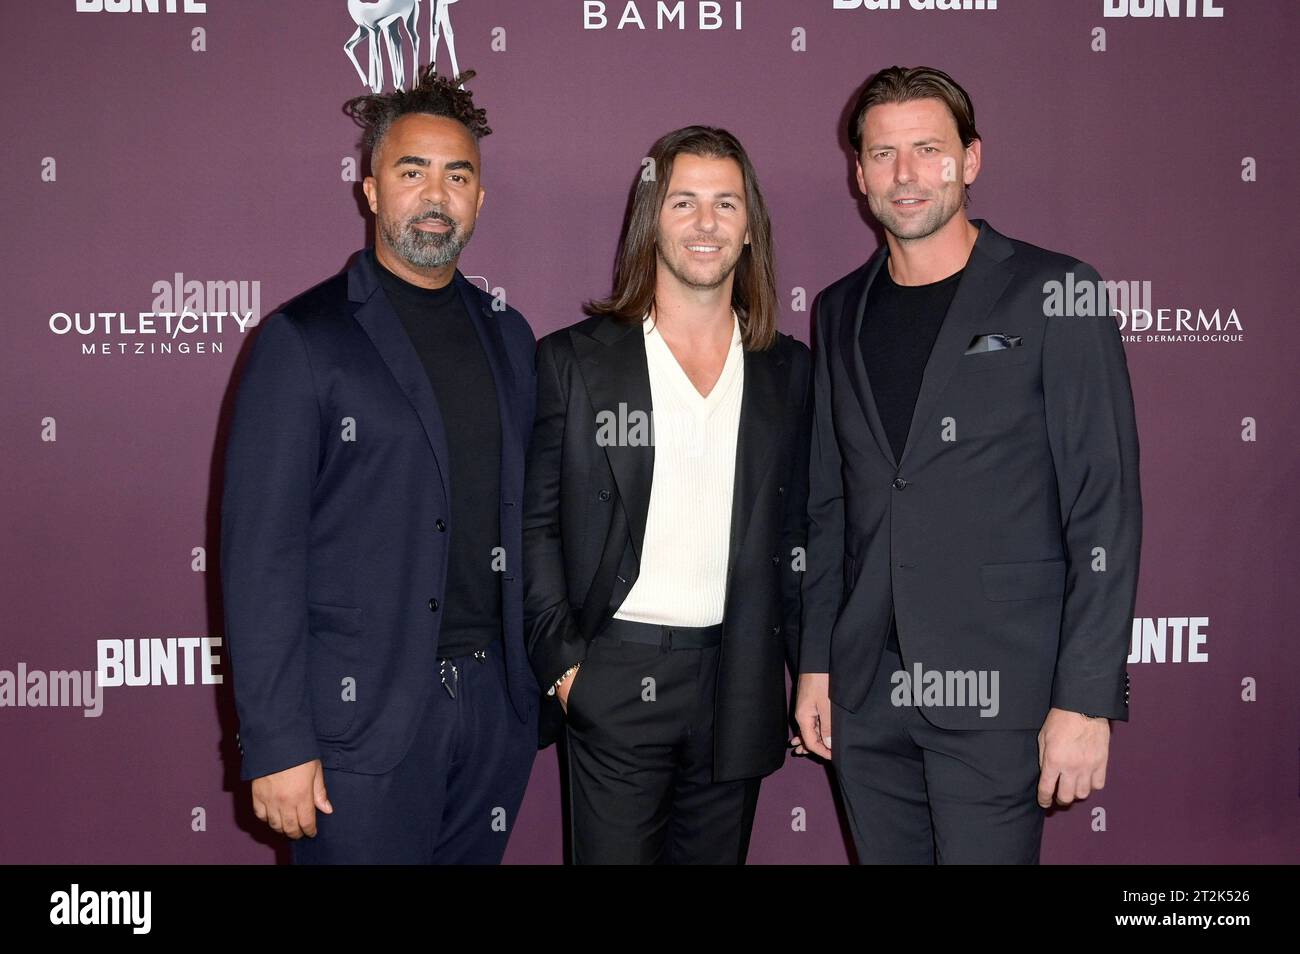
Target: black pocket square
982,343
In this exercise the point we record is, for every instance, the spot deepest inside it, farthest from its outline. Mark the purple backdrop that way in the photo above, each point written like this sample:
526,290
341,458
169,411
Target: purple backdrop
140,146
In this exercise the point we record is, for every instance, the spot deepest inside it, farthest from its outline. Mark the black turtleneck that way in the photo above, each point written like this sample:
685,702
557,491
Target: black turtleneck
449,347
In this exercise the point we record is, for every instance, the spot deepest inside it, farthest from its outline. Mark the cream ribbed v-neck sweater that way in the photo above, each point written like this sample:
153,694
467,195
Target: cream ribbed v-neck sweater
683,576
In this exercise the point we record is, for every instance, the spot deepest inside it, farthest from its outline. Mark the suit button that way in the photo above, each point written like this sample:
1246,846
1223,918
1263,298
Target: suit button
603,495
433,605
780,491
440,525
899,483
776,559
776,630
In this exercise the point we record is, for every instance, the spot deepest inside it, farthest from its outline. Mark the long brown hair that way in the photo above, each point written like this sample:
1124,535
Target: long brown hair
753,290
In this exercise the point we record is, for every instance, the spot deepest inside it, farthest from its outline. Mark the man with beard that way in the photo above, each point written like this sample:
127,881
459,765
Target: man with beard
371,537
664,519
974,510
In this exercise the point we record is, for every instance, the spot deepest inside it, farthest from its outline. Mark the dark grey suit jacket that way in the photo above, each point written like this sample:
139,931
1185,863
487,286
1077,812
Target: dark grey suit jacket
1006,538
585,508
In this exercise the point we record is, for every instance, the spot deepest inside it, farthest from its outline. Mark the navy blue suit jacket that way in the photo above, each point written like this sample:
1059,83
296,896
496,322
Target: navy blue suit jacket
333,565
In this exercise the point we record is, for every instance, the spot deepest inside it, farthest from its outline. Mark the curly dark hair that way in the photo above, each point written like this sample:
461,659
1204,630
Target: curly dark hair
434,94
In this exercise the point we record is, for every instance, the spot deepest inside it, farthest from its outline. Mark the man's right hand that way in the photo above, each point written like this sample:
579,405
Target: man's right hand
562,690
812,713
287,801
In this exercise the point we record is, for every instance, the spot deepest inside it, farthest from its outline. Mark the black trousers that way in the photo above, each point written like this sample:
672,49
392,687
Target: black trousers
640,754
919,794
453,798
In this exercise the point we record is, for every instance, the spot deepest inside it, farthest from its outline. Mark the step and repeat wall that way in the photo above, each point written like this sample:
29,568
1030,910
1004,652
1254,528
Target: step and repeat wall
175,170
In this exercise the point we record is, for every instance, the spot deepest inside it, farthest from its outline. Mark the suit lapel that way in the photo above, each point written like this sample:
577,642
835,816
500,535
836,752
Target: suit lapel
856,298
986,277
614,368
489,333
761,406
377,318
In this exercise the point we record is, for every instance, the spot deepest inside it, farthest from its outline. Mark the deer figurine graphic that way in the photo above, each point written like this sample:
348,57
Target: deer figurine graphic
440,23
381,21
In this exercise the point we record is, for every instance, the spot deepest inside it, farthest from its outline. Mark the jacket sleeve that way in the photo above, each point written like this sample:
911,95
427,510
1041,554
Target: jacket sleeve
823,585
271,461
554,640
1093,439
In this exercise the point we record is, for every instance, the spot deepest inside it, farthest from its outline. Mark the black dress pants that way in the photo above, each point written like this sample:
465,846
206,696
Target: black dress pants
919,794
640,753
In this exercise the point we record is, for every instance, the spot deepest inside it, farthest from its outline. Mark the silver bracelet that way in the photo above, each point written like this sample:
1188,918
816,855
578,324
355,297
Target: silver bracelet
567,673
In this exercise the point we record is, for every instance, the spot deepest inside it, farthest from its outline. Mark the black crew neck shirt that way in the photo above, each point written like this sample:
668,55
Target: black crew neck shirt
899,326
444,337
